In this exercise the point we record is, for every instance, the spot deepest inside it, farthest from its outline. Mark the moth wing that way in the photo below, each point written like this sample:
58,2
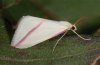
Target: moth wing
33,30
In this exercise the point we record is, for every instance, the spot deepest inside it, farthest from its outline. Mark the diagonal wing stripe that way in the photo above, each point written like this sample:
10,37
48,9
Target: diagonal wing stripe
28,34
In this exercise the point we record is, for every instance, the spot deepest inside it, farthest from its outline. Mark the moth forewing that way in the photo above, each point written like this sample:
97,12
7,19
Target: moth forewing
33,30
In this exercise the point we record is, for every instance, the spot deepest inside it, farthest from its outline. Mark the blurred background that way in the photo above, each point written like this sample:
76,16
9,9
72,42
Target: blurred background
85,13
68,10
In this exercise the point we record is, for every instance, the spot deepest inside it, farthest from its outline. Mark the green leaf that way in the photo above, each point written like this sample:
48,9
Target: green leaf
70,51
97,33
4,38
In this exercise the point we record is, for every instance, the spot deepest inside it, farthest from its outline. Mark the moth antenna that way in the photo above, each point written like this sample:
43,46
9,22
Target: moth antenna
79,20
58,41
79,35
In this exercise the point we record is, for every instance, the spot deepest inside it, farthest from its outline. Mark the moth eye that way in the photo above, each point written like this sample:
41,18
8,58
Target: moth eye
73,28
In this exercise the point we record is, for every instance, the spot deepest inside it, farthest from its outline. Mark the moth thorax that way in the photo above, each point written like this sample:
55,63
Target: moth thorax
67,24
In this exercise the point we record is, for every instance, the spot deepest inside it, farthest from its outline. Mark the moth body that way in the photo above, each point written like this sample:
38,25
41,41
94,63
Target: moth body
33,30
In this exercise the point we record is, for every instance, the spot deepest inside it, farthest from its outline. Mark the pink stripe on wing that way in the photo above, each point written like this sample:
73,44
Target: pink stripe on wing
28,34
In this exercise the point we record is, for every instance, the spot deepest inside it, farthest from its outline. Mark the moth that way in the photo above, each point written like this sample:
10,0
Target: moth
34,30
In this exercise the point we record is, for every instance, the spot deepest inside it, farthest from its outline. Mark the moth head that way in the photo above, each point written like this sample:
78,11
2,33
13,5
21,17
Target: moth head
68,25
73,27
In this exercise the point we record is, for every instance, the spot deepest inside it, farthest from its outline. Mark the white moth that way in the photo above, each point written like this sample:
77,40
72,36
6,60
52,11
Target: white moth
33,30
